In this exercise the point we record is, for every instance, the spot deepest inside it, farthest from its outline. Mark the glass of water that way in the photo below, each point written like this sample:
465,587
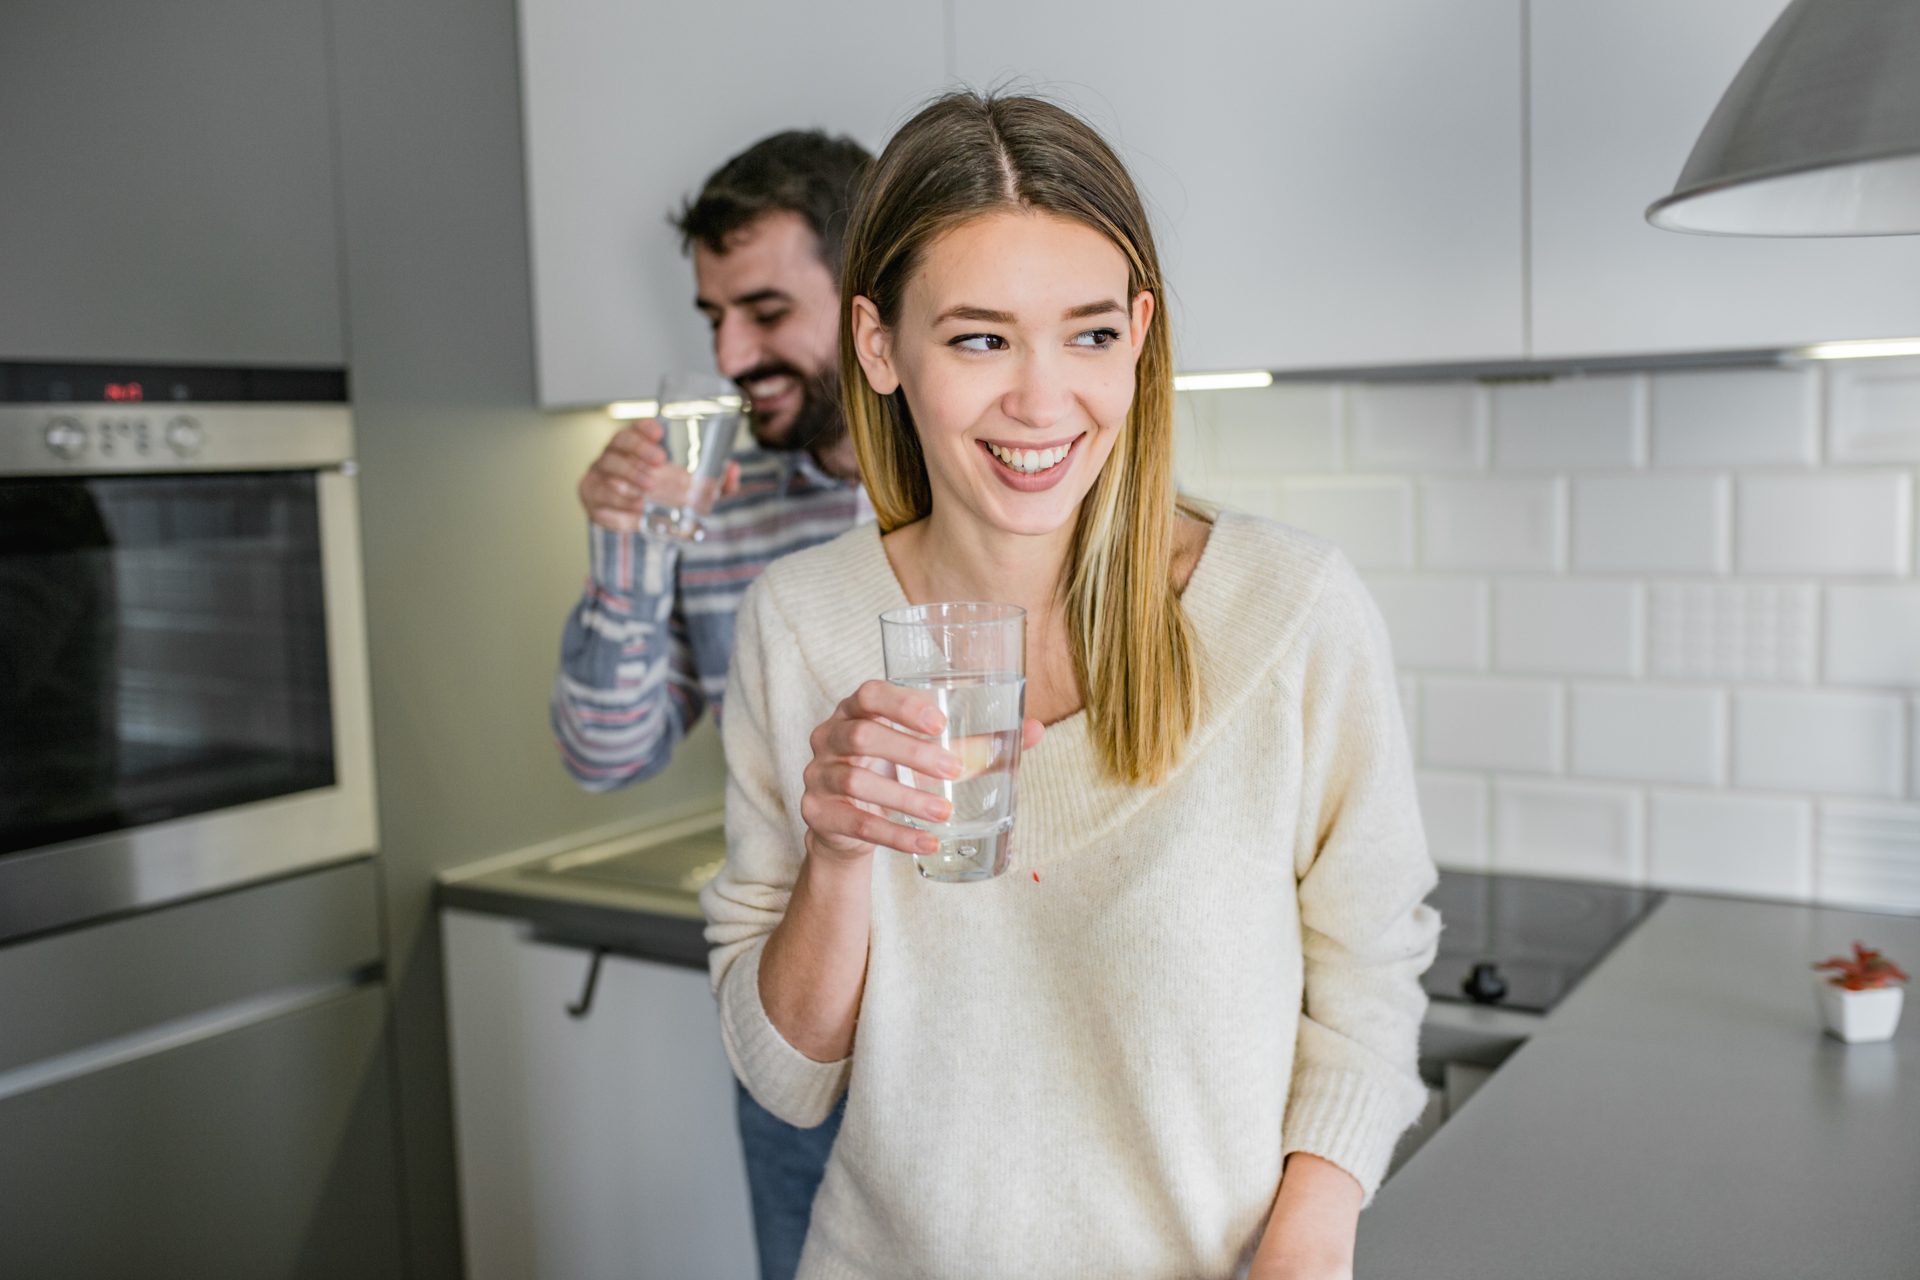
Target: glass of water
699,416
972,659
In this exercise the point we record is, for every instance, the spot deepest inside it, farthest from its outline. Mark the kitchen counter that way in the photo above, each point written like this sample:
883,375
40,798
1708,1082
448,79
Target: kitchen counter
1679,1115
636,893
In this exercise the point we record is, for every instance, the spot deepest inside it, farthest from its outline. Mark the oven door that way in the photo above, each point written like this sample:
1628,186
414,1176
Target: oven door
183,687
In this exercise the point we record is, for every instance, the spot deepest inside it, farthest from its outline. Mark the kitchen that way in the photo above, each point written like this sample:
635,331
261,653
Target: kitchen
1655,616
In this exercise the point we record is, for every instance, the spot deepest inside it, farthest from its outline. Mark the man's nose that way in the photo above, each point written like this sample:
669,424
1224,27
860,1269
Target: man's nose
735,347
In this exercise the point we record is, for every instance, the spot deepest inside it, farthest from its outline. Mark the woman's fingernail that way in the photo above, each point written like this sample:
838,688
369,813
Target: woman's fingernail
950,765
927,844
931,722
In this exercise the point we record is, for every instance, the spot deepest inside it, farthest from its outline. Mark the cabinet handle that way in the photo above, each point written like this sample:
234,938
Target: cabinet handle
580,1007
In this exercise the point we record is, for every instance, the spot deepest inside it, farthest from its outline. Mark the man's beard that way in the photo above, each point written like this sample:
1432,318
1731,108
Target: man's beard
817,425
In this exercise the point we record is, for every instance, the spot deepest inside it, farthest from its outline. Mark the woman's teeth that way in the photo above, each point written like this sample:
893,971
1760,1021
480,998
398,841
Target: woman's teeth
1031,460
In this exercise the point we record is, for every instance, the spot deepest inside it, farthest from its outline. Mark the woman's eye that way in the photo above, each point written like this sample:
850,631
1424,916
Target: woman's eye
1097,338
767,319
979,342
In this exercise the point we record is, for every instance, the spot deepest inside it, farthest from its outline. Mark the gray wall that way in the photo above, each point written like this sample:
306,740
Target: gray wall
475,547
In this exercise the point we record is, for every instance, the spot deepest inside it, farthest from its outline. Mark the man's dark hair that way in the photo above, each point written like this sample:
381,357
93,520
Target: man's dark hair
803,171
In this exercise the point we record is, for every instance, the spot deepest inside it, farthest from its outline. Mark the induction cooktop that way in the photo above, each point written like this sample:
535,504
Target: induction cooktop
1524,942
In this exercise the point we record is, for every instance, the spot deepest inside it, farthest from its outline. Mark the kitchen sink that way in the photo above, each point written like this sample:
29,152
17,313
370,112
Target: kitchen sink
682,864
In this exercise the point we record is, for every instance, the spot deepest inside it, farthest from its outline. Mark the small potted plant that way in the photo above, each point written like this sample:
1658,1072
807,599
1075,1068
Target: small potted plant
1859,1000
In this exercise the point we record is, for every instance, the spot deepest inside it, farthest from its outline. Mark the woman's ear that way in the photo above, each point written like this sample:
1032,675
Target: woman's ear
873,347
1142,316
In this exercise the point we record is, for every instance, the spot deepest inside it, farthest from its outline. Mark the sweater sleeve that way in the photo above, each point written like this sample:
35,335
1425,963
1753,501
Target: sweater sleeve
748,898
627,691
1363,870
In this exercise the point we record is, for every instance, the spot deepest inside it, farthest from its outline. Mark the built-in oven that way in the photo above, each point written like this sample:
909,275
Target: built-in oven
183,681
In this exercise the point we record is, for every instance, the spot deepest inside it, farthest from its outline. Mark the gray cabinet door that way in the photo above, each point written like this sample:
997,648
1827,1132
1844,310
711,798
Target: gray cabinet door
265,1153
1619,92
1330,183
169,181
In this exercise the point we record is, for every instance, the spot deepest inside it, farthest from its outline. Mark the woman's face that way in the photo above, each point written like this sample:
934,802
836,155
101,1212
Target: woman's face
1015,347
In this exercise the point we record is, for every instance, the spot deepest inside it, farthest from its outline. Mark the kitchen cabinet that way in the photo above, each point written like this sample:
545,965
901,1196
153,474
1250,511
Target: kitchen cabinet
595,1146
202,1091
1619,92
629,107
1331,183
170,191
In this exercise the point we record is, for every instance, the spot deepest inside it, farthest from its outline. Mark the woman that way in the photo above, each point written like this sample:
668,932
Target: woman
1203,973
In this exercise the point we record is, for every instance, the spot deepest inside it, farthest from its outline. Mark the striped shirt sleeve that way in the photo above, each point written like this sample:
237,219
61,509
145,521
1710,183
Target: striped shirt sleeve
627,691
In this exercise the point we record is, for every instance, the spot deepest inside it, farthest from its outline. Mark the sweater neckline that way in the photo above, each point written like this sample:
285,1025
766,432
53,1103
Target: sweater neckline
1254,584
1077,720
1068,801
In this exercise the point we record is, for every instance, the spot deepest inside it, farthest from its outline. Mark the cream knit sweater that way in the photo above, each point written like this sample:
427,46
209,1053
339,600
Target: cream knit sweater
1095,1065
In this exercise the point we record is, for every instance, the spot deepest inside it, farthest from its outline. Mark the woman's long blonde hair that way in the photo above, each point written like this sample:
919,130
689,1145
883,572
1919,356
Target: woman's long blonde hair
962,156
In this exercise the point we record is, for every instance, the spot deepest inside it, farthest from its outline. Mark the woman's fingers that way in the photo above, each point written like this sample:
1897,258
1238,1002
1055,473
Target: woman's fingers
846,826
1030,734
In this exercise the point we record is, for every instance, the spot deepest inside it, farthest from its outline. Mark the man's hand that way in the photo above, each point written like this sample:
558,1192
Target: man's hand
616,486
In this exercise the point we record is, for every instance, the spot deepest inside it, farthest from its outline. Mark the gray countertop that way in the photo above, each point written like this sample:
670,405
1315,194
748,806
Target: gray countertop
635,892
1679,1115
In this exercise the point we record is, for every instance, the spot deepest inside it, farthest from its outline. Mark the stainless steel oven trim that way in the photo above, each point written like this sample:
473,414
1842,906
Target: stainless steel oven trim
81,880
235,437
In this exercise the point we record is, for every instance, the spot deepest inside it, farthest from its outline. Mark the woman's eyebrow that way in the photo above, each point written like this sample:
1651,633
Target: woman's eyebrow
964,311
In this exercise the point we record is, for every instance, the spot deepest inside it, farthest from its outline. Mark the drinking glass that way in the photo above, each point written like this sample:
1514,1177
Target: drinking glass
972,659
699,416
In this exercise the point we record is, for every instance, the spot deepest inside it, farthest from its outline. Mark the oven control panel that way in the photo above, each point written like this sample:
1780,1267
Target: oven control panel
72,437
80,439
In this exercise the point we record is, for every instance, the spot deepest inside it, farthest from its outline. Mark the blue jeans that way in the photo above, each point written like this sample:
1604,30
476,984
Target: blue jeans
784,1166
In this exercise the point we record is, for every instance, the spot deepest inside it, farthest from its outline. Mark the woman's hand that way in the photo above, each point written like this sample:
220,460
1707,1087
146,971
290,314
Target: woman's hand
851,782
1311,1231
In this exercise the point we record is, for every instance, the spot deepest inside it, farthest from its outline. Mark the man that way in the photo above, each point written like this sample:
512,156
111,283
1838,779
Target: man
646,649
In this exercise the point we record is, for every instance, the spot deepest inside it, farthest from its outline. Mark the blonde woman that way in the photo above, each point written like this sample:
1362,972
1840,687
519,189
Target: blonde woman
1178,1039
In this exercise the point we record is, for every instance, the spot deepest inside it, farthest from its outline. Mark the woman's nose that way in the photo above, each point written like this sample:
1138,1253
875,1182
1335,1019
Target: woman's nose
1040,398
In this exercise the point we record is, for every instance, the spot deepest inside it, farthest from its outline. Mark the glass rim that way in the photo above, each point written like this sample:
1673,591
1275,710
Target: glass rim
917,615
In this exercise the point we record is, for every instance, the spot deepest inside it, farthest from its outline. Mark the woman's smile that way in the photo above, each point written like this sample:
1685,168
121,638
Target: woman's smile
1030,466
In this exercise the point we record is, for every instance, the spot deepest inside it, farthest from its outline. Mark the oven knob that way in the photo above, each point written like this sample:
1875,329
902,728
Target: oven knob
66,437
185,436
1485,985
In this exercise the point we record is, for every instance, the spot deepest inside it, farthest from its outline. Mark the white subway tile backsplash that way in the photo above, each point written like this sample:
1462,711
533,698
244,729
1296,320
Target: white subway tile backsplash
1913,746
1370,517
1869,856
1731,844
1841,743
1417,426
1733,631
1274,431
1570,422
1493,524
1873,410
1553,625
1736,418
1487,723
1453,809
1653,524
1435,622
1568,829
1649,734
1834,522
1872,635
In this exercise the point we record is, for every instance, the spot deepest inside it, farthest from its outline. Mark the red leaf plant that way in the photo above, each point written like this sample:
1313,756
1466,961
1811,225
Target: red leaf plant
1868,970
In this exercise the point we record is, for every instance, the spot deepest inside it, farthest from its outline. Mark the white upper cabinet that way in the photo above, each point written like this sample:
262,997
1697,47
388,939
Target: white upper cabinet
628,107
168,189
1331,183
1619,92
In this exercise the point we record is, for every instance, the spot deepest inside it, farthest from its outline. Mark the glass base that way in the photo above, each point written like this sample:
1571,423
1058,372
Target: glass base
963,859
672,522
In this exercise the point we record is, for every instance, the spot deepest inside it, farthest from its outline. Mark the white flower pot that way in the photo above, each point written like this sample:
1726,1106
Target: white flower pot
1859,1016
